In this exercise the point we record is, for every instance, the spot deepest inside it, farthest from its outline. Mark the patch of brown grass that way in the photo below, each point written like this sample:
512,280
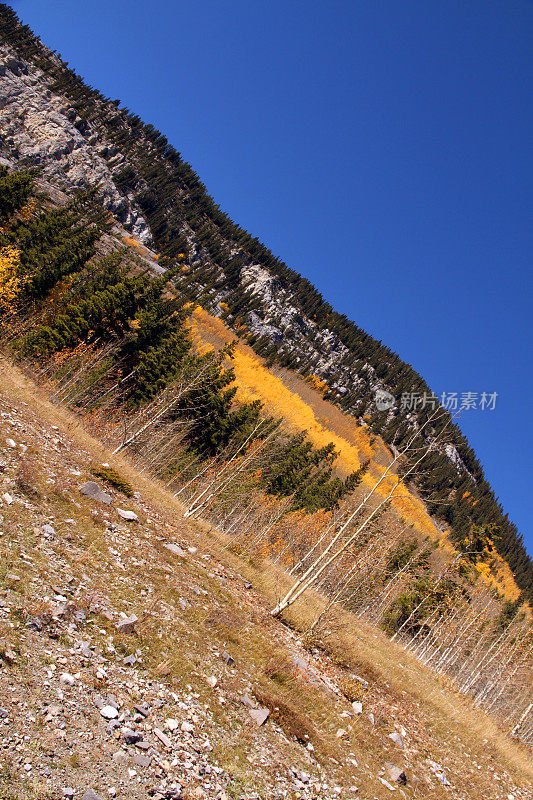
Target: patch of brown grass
288,716
27,477
279,668
226,625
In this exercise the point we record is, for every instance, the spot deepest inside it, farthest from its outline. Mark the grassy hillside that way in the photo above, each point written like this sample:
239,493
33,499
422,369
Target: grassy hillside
64,590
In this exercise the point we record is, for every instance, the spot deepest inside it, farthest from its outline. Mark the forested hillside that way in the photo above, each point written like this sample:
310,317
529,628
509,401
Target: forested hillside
148,186
112,259
86,311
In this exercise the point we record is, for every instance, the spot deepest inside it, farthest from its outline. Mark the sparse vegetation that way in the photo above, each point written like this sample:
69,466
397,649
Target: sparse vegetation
249,471
114,478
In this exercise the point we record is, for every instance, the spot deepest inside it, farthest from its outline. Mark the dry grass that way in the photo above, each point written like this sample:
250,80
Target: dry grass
290,718
27,478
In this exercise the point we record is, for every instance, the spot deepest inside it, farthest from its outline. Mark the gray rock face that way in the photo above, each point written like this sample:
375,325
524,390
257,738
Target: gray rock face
39,128
94,492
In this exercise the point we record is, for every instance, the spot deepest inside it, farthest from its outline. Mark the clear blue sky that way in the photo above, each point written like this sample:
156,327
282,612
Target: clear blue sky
382,149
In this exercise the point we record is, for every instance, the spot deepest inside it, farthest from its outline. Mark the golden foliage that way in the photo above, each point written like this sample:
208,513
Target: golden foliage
255,381
317,383
10,281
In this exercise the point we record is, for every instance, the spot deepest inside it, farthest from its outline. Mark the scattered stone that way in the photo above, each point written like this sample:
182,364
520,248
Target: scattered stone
130,516
163,738
397,739
212,681
131,737
130,660
108,712
172,724
396,774
94,492
48,531
34,624
142,710
259,715
6,497
111,700
90,795
186,727
340,733
120,757
68,792
11,443
67,678
175,550
227,659
142,745
357,708
8,655
127,625
142,761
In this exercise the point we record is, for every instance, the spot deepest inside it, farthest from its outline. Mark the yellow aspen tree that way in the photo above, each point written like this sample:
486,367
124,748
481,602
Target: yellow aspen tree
10,281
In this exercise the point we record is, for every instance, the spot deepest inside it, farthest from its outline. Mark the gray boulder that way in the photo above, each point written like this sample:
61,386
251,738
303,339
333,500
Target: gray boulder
94,492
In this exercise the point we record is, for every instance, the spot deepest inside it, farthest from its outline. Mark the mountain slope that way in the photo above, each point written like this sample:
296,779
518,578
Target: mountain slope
51,119
132,710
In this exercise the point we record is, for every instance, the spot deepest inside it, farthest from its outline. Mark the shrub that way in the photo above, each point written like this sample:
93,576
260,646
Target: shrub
352,689
114,478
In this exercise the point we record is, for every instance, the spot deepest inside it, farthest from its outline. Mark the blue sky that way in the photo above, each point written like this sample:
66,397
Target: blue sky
382,149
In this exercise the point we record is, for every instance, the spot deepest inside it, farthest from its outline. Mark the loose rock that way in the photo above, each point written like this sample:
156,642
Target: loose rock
94,492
